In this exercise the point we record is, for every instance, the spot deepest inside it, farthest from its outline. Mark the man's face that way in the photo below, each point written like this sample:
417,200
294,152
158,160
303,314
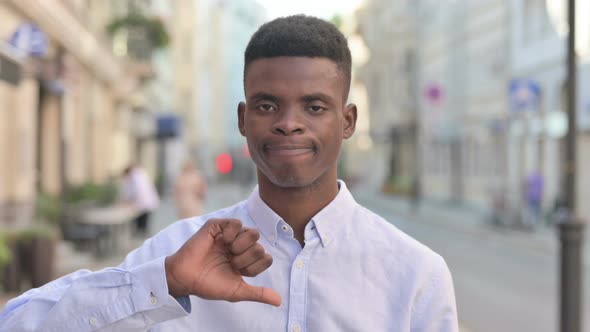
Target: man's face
294,119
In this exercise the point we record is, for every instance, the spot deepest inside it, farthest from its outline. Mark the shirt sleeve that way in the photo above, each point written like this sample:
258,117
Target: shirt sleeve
131,297
435,308
86,301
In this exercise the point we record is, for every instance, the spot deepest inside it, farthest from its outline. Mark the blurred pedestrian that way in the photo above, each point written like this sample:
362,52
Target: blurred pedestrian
190,188
533,198
139,191
336,266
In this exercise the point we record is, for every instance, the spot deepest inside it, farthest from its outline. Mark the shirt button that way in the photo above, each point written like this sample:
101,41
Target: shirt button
296,328
285,228
153,300
327,240
299,264
93,321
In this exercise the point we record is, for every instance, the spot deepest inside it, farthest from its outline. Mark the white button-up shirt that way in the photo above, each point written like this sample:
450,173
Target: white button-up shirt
356,272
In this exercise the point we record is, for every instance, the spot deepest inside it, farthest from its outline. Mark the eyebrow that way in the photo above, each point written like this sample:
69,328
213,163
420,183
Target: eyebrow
307,98
317,96
264,96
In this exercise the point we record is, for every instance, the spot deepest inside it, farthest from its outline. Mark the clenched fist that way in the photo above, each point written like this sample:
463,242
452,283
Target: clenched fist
212,262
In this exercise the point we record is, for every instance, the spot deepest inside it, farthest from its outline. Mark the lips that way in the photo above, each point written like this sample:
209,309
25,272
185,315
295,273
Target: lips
287,150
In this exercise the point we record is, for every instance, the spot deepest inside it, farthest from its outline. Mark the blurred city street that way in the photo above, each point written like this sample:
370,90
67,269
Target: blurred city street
472,135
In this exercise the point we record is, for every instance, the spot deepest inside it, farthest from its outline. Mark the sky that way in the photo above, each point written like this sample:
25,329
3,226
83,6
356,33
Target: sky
320,8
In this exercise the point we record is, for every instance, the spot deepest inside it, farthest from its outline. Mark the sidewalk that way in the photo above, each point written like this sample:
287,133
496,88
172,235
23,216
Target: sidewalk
543,239
69,260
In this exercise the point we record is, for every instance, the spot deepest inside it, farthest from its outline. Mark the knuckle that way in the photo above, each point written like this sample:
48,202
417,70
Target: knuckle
234,221
253,234
267,261
259,252
212,221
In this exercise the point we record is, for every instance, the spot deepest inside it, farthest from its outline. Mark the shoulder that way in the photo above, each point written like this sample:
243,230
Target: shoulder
423,272
400,249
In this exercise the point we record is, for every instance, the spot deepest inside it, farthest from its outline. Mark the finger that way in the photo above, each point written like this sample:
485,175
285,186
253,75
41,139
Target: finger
249,257
257,267
224,229
266,295
231,229
245,240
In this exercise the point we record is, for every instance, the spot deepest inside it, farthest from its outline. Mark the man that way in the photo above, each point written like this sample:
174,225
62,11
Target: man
140,192
533,197
335,265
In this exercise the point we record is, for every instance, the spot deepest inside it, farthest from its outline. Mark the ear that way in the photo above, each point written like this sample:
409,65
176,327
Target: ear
241,114
350,115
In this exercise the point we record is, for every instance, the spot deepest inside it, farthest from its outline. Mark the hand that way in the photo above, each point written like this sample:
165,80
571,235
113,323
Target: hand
212,262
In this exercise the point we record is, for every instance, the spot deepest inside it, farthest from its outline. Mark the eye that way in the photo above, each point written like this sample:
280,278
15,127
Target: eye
316,108
266,107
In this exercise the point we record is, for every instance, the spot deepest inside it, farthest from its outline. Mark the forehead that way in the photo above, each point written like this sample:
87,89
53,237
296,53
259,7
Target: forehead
294,74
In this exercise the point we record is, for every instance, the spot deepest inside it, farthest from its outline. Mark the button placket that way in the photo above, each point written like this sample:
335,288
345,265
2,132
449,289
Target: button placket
298,288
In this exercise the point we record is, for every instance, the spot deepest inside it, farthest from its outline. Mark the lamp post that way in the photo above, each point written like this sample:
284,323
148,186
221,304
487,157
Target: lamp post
571,227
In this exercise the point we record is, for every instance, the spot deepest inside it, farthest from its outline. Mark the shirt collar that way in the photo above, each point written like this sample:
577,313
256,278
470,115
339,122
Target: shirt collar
327,222
335,216
264,217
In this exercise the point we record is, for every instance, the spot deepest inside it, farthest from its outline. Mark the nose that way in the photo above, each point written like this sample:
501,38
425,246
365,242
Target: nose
287,123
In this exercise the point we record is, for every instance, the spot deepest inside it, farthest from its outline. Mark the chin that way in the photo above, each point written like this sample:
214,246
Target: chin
289,181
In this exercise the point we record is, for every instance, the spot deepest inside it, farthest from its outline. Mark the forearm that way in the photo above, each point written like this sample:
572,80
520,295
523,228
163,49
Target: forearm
133,299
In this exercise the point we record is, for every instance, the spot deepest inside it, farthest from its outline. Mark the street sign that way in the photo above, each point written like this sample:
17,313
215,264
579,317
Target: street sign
434,93
167,126
524,95
29,40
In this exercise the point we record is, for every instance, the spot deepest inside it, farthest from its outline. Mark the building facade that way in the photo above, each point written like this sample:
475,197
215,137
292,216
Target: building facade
437,90
489,94
65,118
390,78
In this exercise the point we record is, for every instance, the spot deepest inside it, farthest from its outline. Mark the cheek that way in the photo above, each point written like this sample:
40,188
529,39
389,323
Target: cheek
254,126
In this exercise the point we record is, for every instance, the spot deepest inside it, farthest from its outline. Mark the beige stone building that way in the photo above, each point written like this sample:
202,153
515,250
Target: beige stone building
67,120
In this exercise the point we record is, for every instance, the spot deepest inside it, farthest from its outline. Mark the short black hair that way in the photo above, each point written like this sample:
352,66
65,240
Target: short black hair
300,35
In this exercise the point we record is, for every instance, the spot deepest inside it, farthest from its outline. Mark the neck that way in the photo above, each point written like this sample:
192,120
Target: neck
296,206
